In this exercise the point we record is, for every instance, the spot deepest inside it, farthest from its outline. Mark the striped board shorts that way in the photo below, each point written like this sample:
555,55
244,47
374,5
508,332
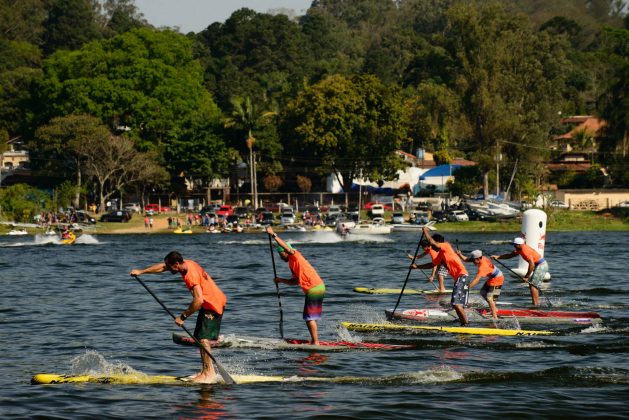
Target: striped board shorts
313,306
460,291
538,274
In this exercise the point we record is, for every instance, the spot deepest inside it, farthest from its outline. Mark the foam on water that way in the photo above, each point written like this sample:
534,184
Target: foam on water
93,363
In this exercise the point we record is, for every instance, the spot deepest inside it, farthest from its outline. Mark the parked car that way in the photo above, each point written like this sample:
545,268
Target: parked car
232,219
398,217
287,218
370,204
334,210
133,207
419,217
439,216
423,205
265,218
116,216
225,211
376,210
84,217
353,209
559,204
457,216
242,211
623,204
156,208
210,208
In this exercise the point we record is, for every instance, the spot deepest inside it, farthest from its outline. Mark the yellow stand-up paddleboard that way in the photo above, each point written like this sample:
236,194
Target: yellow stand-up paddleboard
143,379
374,291
352,326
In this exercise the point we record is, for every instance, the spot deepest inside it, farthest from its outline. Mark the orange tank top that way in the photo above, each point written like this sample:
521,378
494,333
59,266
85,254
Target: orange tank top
452,261
213,298
529,254
303,271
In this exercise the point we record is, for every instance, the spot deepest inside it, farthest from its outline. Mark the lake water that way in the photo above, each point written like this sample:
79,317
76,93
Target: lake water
69,309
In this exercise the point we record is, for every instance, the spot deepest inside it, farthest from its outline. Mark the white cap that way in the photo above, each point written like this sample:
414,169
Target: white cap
477,253
518,241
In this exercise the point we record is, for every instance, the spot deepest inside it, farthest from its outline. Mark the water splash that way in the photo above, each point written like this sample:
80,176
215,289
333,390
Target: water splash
93,363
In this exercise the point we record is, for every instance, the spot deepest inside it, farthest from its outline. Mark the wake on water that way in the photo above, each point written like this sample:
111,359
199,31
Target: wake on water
39,240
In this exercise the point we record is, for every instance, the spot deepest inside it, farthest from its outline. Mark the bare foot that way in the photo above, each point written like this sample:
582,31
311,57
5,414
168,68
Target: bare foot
206,378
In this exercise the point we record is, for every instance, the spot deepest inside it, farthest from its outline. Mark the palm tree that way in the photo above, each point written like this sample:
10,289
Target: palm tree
246,116
585,138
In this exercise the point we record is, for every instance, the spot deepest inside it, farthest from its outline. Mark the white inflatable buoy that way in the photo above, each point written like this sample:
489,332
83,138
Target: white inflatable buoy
534,234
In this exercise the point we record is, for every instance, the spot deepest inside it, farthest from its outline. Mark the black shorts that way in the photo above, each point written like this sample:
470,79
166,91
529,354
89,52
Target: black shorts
208,325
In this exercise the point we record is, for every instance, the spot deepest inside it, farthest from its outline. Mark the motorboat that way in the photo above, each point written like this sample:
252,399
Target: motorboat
412,227
376,227
185,229
493,210
17,232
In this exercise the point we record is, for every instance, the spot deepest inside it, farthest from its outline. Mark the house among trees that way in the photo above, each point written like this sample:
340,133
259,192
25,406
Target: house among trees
584,136
13,159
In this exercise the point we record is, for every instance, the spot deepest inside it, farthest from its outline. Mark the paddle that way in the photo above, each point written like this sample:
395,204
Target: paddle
277,289
221,370
407,276
526,281
424,273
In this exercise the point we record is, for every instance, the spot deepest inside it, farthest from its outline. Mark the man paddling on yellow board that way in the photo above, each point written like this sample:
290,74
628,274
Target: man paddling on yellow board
492,275
304,275
456,269
207,298
538,267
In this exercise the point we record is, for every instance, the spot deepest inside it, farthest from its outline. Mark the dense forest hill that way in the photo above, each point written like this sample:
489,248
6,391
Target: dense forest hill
92,89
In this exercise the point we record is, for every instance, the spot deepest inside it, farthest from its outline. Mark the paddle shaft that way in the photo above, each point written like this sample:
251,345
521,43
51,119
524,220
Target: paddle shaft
408,274
221,370
277,288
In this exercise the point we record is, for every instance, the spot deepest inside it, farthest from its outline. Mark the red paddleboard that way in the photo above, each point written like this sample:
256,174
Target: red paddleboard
541,313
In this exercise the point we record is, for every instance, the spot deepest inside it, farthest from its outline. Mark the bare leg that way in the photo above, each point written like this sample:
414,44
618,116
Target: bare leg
460,311
314,334
207,370
534,295
492,306
442,288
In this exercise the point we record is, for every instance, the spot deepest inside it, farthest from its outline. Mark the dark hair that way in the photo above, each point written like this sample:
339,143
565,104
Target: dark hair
438,238
173,257
424,243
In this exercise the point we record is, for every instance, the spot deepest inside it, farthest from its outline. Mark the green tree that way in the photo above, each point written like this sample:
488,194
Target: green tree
508,78
613,104
70,25
146,84
21,202
352,128
254,54
59,147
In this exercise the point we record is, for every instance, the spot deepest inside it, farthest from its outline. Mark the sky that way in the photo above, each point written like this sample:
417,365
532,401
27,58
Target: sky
196,15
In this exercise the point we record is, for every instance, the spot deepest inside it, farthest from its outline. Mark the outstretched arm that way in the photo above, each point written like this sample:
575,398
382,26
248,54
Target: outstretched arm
154,269
461,256
504,256
426,232
279,240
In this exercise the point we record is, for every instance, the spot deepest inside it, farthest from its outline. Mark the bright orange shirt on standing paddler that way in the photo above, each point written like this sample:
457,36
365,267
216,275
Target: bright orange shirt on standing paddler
486,268
529,254
452,261
303,272
213,298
